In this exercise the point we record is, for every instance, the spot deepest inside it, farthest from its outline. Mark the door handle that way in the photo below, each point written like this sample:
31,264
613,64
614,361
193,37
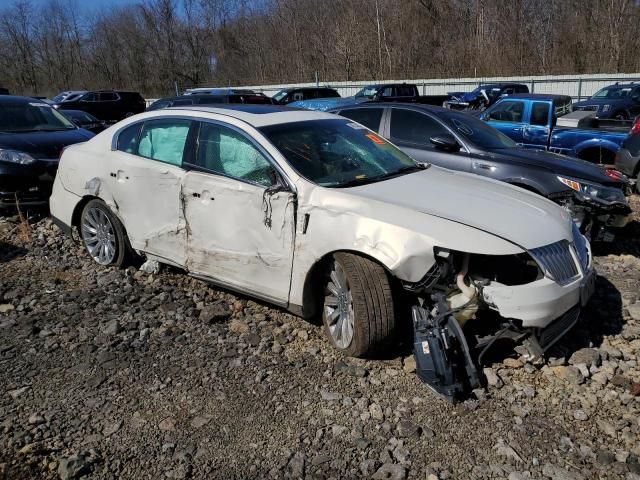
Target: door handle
196,194
516,129
484,166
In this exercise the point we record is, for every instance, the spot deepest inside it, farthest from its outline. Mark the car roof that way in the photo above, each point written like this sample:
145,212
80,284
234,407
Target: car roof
407,106
291,89
539,96
257,115
18,100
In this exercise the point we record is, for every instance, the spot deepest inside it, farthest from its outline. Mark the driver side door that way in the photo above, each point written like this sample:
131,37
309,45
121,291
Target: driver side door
240,217
411,131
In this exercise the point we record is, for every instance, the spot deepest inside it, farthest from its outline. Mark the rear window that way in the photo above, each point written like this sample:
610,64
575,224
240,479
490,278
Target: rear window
369,117
164,140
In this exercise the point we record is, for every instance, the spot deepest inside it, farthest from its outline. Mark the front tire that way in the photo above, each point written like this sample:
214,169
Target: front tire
103,235
358,312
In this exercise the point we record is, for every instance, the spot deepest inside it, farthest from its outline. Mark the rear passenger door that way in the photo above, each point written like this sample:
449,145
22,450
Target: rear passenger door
369,117
109,105
145,181
412,130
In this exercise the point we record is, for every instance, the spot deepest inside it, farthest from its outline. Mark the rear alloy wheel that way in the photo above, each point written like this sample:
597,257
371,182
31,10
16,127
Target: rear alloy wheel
103,234
358,312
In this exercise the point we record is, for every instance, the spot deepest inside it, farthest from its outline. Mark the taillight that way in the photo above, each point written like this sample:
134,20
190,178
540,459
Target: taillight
635,130
614,174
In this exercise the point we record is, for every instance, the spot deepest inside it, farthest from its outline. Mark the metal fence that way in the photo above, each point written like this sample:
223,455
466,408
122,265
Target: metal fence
576,86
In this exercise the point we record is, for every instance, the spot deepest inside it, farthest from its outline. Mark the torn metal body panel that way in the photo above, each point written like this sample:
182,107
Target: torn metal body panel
268,198
229,239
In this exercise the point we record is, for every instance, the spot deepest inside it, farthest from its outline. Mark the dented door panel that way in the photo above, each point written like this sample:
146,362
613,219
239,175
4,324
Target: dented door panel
146,195
239,234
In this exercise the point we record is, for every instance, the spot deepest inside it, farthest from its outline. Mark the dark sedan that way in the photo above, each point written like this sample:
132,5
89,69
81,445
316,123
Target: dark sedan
85,120
459,141
32,137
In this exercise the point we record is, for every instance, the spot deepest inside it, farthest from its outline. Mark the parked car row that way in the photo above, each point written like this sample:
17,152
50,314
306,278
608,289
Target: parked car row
594,196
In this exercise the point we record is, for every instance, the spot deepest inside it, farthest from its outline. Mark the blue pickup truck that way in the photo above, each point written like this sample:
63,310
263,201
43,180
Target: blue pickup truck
540,121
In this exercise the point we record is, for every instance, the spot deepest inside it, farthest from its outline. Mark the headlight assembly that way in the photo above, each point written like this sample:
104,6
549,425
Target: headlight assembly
15,156
594,191
606,108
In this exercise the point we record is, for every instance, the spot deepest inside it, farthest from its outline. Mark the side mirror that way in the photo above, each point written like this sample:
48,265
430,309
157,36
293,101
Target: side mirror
484,116
445,142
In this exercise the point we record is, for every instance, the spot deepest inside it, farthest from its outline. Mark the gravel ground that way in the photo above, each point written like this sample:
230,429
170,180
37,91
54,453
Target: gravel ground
108,373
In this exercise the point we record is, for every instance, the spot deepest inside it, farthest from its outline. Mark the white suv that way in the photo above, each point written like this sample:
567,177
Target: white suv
319,215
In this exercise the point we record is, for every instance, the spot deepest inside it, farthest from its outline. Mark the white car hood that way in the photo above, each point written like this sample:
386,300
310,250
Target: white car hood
521,217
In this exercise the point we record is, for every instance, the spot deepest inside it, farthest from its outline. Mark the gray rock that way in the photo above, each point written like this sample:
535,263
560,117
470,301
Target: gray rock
504,450
330,396
75,466
634,311
296,465
36,419
390,471
588,356
580,415
368,467
558,473
406,428
112,327
493,379
215,313
376,411
150,267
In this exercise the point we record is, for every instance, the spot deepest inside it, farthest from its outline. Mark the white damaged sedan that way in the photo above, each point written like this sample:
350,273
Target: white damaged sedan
319,215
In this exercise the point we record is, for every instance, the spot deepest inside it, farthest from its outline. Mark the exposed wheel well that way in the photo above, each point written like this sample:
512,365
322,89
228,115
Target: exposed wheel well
598,155
312,294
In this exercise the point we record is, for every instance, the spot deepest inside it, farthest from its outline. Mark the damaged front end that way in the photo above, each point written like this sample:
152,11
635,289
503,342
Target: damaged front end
468,304
597,210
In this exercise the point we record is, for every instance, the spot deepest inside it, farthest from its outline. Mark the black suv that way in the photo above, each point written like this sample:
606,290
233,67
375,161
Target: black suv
108,105
289,95
206,98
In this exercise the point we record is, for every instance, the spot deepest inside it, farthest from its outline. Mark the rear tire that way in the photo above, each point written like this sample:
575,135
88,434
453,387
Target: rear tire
103,235
358,312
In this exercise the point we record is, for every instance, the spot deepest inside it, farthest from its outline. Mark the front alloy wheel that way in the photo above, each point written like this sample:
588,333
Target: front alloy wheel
338,307
358,311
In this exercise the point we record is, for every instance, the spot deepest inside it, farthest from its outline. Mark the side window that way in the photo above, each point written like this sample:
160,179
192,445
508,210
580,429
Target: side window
508,112
540,113
522,89
369,117
297,96
108,97
387,92
635,94
405,91
128,139
90,97
164,140
414,127
227,152
183,101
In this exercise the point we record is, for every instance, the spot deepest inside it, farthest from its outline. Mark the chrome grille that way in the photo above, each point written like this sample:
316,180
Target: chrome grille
557,261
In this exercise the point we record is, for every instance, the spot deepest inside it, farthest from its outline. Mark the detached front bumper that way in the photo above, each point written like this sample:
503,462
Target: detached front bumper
538,304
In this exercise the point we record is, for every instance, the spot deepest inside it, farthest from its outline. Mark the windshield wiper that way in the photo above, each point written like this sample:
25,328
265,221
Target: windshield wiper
385,176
